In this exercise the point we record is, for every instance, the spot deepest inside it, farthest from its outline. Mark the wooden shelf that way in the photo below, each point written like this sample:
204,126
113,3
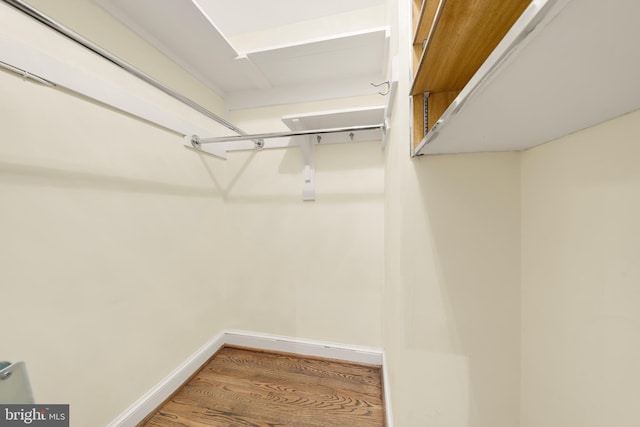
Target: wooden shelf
424,13
463,38
542,81
452,39
437,103
416,13
418,132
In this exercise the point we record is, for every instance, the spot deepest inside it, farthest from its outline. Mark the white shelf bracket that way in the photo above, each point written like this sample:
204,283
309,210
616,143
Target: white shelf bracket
308,169
191,142
391,96
308,149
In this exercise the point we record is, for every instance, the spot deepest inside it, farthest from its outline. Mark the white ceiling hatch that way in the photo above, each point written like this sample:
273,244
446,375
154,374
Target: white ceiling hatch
189,32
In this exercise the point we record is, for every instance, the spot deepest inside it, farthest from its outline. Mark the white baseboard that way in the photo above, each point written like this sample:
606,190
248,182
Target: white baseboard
386,390
163,390
304,347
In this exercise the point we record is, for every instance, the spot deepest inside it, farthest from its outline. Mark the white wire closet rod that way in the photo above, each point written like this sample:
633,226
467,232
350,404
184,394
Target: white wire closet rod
60,28
196,140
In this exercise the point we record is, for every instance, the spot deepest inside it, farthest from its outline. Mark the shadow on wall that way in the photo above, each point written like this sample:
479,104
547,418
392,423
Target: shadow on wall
337,157
228,185
343,173
54,177
465,300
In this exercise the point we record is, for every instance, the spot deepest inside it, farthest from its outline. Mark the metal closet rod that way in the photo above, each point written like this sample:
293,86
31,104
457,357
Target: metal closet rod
352,129
25,74
51,23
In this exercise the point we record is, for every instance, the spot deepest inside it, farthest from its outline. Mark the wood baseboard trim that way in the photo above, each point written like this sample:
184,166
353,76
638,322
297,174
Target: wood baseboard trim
165,388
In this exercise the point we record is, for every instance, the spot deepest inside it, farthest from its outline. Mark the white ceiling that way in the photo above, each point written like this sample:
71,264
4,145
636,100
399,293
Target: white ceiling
234,17
189,32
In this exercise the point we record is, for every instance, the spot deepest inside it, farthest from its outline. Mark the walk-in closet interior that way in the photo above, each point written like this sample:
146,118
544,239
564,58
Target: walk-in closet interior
446,191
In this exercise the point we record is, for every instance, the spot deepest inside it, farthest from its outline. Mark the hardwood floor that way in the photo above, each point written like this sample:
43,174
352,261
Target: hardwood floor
243,387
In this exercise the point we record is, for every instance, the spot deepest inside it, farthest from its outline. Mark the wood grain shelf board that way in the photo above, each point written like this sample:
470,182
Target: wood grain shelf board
418,119
464,36
438,104
423,19
549,54
417,55
416,12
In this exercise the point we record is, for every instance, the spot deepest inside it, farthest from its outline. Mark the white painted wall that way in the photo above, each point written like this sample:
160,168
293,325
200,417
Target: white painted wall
307,269
107,226
451,312
125,252
580,278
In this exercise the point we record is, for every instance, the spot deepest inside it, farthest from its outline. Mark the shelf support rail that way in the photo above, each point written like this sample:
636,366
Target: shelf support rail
196,140
307,140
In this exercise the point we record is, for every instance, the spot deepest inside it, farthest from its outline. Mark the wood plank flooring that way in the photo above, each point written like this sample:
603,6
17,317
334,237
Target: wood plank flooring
244,387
